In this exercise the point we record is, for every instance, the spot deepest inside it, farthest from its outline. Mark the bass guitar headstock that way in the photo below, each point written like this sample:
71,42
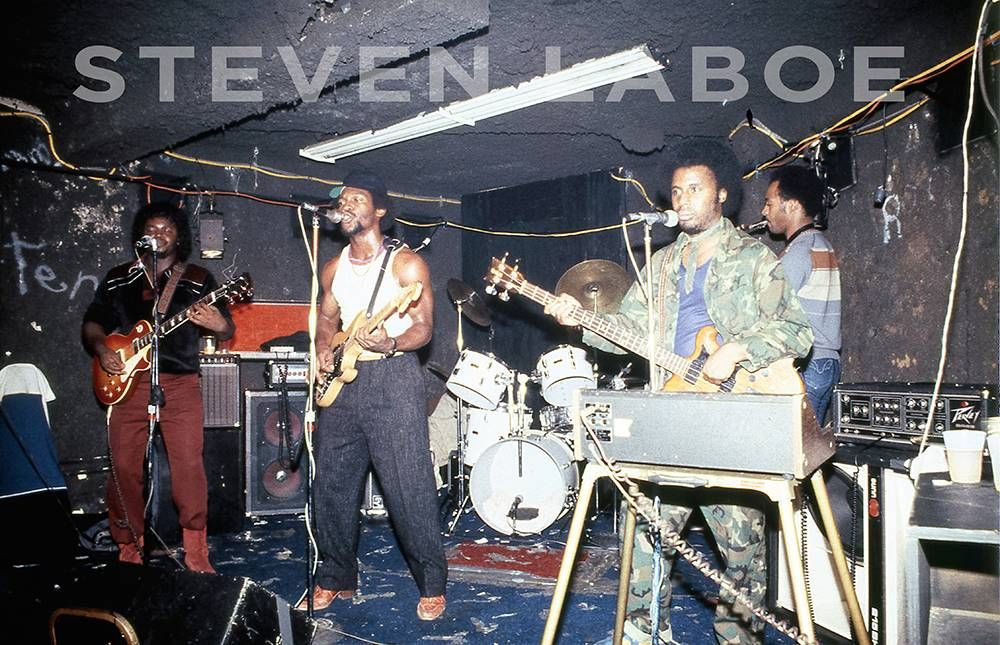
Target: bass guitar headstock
502,278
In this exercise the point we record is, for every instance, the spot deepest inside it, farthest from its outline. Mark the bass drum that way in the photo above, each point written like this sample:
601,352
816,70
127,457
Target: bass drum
522,485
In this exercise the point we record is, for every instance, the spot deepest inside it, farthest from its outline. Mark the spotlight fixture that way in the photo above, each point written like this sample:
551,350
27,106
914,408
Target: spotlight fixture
576,78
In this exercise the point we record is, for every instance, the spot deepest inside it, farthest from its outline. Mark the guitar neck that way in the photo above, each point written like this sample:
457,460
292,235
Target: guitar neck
632,341
176,320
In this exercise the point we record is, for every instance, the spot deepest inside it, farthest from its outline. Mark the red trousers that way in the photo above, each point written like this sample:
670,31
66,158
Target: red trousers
182,427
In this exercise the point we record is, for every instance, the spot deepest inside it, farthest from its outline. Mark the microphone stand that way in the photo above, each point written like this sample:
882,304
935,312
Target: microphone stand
156,401
654,375
309,417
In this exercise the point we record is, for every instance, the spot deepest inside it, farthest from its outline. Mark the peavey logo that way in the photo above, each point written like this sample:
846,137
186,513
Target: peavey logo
967,415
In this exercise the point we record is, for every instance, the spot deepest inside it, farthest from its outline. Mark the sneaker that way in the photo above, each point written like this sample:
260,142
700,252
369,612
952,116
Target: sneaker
430,607
323,598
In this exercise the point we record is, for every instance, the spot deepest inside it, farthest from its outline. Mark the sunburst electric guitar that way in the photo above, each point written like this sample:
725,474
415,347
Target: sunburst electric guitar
346,348
780,377
133,348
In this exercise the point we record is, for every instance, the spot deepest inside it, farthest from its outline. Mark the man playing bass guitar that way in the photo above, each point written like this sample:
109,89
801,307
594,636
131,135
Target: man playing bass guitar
379,418
711,276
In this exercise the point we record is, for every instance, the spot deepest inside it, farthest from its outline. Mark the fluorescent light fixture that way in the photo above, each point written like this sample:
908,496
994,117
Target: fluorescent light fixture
577,78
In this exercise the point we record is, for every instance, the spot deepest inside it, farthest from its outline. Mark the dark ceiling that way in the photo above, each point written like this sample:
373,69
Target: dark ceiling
540,142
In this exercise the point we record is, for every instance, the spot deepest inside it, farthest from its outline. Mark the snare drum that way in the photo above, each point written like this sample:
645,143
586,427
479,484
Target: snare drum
524,484
563,370
479,379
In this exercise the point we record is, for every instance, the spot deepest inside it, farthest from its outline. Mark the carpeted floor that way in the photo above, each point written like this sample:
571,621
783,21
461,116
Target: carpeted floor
499,587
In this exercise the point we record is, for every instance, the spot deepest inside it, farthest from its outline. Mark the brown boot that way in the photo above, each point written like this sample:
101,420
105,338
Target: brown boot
196,551
130,552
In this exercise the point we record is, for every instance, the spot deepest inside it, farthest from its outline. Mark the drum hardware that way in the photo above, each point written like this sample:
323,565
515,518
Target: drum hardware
599,285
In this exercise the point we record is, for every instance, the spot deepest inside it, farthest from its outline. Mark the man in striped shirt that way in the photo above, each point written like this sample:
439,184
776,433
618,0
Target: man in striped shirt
794,198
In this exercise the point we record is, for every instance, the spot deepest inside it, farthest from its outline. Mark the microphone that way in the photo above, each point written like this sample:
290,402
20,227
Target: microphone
146,242
332,215
512,513
667,217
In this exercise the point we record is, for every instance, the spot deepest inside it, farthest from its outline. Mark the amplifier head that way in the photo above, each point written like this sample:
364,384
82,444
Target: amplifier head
900,412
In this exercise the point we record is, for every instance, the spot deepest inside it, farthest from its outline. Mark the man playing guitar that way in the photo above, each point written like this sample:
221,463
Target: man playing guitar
712,275
379,418
122,300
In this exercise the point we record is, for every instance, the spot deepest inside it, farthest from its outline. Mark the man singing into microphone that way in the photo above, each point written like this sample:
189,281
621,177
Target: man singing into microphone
379,419
713,275
123,299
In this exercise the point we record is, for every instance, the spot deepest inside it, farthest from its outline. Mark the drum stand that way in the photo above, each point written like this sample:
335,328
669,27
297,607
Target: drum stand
462,497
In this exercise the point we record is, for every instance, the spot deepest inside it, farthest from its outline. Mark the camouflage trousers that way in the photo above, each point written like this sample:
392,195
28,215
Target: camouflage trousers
739,535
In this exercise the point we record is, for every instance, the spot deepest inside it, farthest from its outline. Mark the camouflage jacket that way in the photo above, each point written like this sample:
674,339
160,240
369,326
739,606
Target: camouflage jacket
748,299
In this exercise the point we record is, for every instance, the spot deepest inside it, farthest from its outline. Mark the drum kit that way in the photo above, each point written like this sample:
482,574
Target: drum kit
523,478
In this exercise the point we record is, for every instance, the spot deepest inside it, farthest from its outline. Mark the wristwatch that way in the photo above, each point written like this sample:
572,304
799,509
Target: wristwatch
392,351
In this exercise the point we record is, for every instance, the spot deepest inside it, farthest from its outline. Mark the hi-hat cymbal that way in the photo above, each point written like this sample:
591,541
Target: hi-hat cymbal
599,285
472,305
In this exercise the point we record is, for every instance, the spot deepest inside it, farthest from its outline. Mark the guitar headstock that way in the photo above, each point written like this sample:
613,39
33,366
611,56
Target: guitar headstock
501,278
408,296
238,289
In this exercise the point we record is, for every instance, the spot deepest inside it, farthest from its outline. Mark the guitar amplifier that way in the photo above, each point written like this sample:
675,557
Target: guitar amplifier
293,374
220,390
898,413
763,433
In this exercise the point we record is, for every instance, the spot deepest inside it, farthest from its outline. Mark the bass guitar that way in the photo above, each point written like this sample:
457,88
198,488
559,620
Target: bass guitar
780,377
134,347
346,348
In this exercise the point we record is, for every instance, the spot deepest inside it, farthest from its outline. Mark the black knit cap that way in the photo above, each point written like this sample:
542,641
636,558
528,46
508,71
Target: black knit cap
366,180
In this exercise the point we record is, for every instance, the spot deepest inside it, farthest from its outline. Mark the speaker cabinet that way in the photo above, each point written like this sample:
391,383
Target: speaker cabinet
274,428
220,390
172,606
224,471
882,498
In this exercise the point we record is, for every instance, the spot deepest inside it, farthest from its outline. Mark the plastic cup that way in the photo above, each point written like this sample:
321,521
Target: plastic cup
964,449
993,443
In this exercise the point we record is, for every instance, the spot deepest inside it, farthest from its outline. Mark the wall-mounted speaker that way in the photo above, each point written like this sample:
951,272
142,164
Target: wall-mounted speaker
274,427
871,506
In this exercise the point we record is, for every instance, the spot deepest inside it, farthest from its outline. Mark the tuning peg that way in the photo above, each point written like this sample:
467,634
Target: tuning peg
491,289
503,295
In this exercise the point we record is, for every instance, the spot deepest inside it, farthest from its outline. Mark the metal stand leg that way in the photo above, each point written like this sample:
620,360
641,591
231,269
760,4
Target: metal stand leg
590,475
843,576
789,534
625,564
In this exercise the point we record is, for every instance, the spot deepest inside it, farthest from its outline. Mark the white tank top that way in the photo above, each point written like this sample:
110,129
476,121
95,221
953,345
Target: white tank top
353,285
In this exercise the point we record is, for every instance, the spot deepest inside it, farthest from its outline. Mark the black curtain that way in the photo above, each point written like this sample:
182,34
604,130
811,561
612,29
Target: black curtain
521,332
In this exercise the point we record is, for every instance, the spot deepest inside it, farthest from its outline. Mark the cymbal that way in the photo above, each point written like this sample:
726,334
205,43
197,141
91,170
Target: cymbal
473,306
599,285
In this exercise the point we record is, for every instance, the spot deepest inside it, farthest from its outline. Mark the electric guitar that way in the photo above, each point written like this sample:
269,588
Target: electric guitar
780,377
134,347
346,348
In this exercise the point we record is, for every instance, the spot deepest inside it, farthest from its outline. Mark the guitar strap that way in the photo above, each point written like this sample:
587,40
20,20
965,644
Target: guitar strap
176,272
390,246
